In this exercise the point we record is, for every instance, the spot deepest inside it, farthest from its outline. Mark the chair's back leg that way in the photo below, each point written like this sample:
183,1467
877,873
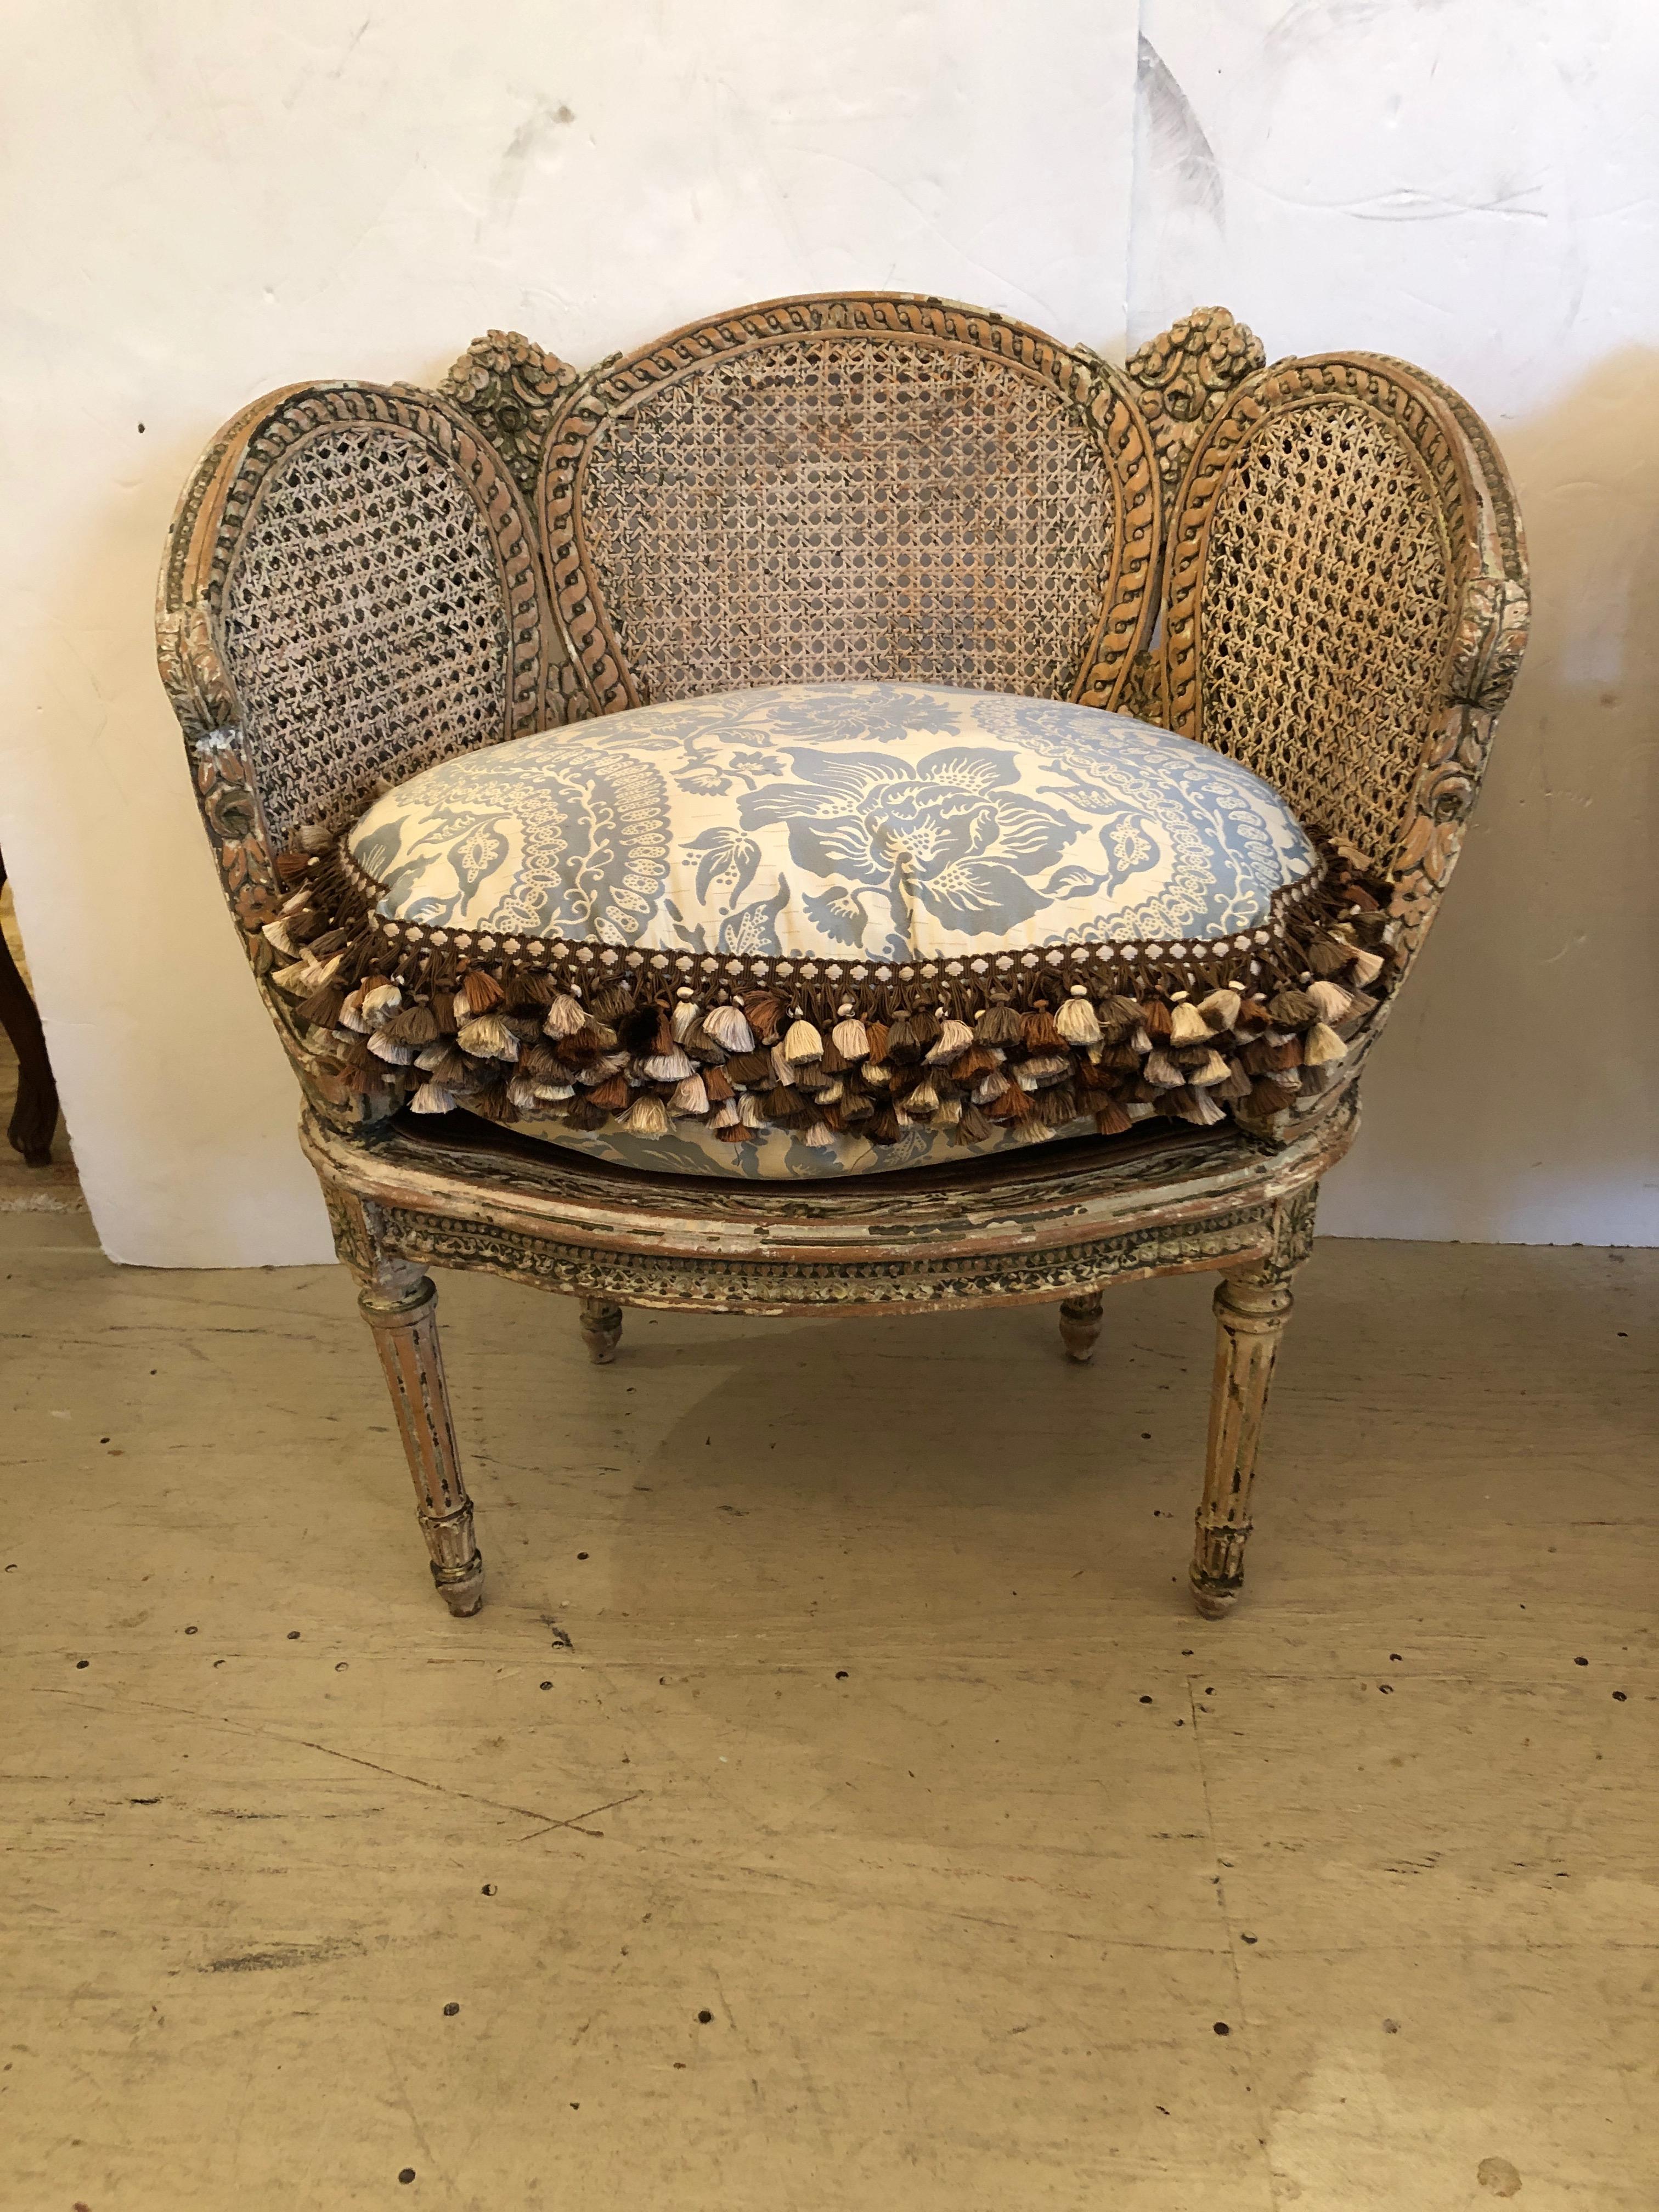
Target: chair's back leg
602,1322
1079,1325
1252,1305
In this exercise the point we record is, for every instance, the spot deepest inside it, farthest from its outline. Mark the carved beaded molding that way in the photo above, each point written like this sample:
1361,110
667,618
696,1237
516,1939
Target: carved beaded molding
1092,396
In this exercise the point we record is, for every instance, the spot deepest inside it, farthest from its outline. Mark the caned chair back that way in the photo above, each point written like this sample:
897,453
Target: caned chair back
840,488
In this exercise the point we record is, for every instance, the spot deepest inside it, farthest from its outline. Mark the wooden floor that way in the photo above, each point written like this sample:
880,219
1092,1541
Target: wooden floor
835,1806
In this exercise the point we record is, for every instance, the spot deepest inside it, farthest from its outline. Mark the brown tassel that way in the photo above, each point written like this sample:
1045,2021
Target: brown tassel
585,1115
998,1024
1057,1105
715,1084
1253,1015
1014,1105
875,1042
1278,1057
290,866
1110,1120
1268,1098
481,991
1328,955
925,1028
903,1046
415,1025
762,1009
612,1094
529,993
782,1104
749,1067
883,1127
494,1104
1236,1086
1118,1016
322,1007
832,1062
1039,1032
973,1127
1293,1010
974,1061
443,1012
1156,1020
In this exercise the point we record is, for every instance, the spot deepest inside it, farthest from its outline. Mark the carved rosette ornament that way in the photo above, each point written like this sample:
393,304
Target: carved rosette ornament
510,387
1184,375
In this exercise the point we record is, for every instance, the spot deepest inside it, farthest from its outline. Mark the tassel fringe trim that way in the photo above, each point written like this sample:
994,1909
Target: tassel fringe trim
1024,1042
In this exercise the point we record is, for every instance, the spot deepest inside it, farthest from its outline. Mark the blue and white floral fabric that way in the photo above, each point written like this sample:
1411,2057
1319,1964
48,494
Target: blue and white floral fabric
881,821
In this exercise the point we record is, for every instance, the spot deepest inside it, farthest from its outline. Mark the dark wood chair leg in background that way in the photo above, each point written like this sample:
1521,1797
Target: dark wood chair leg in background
404,1319
1252,1305
34,1118
1079,1325
602,1322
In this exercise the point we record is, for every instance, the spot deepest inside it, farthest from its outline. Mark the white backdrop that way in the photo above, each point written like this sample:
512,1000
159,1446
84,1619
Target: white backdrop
211,199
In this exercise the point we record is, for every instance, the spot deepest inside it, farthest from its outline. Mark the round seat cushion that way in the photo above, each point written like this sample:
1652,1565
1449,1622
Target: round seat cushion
959,887
890,822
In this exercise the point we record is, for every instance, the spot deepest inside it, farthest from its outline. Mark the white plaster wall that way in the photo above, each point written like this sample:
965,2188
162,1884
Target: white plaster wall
1471,183
207,200
210,199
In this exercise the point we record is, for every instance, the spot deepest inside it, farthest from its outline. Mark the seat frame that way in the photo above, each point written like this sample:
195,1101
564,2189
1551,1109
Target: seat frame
1056,1224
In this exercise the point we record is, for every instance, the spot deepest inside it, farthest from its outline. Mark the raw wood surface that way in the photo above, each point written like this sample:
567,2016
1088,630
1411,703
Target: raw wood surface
877,1728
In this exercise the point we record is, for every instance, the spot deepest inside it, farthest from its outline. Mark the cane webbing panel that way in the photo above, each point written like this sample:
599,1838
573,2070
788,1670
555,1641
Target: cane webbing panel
831,508
364,620
1325,611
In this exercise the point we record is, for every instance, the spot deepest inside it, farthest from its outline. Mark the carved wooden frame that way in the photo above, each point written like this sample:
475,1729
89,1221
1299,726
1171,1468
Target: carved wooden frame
1097,392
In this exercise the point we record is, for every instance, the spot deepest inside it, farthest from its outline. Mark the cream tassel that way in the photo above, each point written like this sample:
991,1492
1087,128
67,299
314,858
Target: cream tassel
851,1039
820,1136
729,1029
954,1038
690,1096
1077,1020
1214,1069
685,1018
553,1094
352,1014
564,1016
399,1055
1334,1004
646,1117
751,1112
1160,1070
803,1043
1365,968
1222,1008
432,1098
1186,1024
1321,1046
380,1002
487,1036
667,1066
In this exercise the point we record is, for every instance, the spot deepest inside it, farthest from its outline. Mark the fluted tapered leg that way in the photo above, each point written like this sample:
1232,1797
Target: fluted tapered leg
1252,1306
1079,1325
601,1329
405,1320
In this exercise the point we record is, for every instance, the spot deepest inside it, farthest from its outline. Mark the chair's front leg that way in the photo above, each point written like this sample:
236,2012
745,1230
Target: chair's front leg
1252,1306
403,1315
1079,1325
602,1322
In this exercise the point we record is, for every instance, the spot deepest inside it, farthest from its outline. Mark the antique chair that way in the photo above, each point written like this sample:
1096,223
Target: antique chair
845,944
